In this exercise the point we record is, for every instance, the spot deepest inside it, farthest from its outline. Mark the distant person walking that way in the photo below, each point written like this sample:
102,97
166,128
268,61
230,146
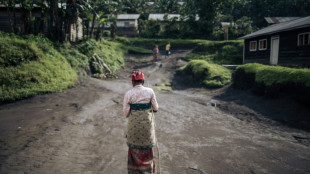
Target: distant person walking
168,49
138,106
155,53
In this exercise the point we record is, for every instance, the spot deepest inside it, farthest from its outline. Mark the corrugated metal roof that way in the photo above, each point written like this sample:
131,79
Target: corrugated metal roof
276,20
285,26
128,16
160,17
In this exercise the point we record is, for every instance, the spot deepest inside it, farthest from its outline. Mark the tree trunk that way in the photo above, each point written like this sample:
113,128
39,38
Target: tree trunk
71,16
99,28
10,17
87,29
92,26
54,21
14,19
77,32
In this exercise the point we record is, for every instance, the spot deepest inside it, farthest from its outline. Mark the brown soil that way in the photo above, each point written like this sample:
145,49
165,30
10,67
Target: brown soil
82,130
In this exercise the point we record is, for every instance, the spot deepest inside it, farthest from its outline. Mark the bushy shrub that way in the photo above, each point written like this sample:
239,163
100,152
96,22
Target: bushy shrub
149,28
207,74
49,72
230,54
273,81
123,40
138,50
11,53
106,33
220,52
111,53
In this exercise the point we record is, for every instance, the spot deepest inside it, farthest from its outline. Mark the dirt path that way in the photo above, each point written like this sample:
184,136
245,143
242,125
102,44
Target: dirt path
82,129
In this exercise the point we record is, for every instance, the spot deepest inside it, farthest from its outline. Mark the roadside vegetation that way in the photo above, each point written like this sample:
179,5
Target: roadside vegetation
274,81
205,60
32,65
207,74
219,52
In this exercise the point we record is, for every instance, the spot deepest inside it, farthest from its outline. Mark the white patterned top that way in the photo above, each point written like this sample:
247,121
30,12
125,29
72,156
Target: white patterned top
139,94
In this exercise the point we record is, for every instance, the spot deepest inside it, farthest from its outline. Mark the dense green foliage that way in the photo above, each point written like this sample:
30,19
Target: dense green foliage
32,65
270,75
24,76
150,43
138,50
274,81
207,74
110,52
74,57
220,52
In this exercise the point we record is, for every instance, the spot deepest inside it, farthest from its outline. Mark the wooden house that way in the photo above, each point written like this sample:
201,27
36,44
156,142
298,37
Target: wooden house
286,43
127,24
7,19
38,26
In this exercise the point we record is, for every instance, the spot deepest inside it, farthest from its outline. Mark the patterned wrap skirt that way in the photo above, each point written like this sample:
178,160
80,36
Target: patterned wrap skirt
141,140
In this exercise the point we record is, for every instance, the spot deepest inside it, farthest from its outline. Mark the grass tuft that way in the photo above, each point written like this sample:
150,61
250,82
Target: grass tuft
270,75
208,74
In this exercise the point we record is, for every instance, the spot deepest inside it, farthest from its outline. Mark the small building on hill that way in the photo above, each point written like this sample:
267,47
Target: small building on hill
286,43
127,24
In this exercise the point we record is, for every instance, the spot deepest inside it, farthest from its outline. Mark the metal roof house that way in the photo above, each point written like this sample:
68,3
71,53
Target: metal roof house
276,20
127,24
286,43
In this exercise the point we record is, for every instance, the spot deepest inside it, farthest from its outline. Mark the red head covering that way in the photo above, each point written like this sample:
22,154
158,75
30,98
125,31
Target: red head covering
136,75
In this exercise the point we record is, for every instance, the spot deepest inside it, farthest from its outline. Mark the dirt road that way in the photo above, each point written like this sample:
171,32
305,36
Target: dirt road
199,131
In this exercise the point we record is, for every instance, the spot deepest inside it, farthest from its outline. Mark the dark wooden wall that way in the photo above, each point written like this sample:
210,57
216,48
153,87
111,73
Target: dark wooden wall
290,54
258,56
5,24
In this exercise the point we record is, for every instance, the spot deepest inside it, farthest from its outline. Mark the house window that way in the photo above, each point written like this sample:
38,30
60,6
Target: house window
303,39
253,46
262,44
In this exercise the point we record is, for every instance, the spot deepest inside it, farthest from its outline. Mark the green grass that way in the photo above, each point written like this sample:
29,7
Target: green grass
74,57
32,65
270,75
219,52
150,43
25,77
207,74
110,52
138,50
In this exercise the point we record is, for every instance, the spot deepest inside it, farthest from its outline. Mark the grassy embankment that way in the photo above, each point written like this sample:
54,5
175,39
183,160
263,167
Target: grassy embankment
32,65
206,59
272,81
203,67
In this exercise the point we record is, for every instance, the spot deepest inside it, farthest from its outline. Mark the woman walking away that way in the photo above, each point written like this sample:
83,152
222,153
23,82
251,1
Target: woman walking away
139,104
155,53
